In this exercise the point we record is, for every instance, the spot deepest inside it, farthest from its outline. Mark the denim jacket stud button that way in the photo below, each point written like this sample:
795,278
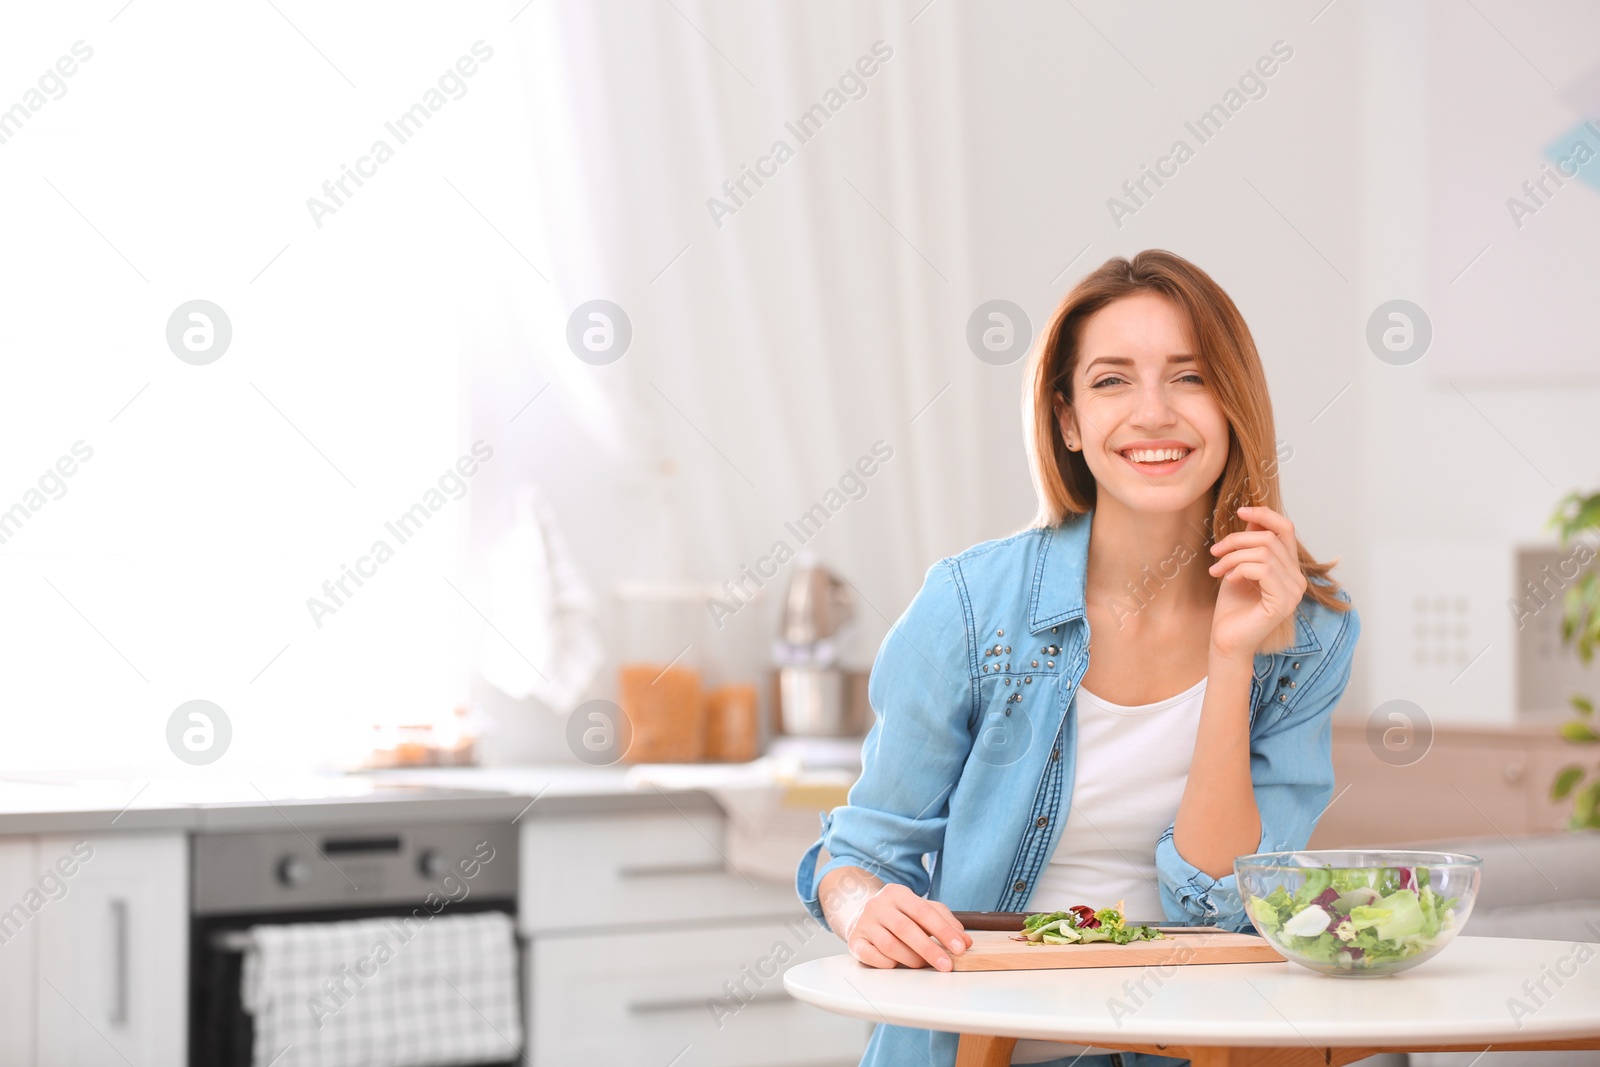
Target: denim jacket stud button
1055,753
1042,821
1019,885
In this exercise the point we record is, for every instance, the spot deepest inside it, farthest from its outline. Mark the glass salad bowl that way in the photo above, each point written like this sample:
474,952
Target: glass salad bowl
1359,913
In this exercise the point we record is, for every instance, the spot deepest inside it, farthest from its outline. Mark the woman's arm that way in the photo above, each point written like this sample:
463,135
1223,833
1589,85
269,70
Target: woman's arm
1291,766
1279,784
1217,818
1261,585
871,889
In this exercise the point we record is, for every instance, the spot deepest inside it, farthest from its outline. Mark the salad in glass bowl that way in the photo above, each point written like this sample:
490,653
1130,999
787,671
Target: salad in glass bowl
1358,913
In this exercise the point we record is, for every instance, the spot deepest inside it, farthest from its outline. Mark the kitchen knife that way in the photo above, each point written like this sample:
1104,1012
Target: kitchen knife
1011,922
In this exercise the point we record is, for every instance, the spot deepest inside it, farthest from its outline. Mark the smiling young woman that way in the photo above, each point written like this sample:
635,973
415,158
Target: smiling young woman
1007,768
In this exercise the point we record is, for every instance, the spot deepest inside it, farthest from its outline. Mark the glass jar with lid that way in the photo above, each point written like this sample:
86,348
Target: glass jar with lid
661,683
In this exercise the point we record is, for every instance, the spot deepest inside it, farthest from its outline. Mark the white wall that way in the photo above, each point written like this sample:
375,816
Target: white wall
178,164
1460,470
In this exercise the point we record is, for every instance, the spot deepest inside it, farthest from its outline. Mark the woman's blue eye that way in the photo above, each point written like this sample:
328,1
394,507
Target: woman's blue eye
1113,379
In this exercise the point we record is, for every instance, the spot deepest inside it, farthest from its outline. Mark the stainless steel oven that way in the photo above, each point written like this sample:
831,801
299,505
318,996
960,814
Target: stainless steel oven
322,875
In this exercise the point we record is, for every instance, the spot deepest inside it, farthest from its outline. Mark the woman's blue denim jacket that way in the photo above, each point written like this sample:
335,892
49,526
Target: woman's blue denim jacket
967,771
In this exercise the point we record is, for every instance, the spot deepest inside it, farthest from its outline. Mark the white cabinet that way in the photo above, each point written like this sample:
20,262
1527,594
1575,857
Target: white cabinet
646,948
694,996
1505,770
590,870
112,950
18,950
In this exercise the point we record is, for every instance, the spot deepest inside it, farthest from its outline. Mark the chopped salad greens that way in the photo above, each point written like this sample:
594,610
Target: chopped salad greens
1357,917
1082,924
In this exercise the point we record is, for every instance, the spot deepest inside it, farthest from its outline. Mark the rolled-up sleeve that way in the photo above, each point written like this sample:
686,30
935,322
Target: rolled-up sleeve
1291,772
922,698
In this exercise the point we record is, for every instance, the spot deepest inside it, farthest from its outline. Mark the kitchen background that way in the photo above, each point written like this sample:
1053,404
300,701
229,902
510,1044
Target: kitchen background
392,380
378,333
777,334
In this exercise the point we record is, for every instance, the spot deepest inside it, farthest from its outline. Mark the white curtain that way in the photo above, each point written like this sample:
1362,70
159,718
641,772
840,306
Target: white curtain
821,325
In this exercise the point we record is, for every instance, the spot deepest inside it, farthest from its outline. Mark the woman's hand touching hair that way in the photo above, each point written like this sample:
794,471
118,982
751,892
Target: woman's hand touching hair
1262,583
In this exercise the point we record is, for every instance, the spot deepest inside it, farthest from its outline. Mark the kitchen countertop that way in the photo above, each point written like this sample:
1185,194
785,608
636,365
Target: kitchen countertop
1535,726
210,802
226,802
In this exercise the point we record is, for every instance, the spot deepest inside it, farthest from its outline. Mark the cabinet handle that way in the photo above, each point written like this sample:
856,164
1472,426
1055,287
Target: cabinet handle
119,962
660,869
648,1007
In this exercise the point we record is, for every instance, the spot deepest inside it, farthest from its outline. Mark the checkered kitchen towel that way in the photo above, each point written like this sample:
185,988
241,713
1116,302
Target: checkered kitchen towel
417,991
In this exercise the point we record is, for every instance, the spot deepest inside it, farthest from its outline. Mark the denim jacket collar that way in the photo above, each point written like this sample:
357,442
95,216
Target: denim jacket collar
1060,575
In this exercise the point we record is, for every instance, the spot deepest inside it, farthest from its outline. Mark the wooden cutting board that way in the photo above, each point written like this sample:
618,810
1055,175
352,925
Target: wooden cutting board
993,950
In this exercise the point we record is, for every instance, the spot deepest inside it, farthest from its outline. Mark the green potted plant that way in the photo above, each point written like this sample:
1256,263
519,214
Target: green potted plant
1580,628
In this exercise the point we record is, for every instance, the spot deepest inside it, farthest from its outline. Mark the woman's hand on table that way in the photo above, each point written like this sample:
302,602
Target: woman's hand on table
895,927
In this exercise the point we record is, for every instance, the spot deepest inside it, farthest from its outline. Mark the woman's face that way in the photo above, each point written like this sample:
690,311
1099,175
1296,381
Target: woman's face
1153,435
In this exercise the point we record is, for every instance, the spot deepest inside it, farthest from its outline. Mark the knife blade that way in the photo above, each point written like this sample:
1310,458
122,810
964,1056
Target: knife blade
1011,922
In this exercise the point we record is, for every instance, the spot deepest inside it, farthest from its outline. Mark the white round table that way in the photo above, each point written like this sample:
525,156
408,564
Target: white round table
1480,992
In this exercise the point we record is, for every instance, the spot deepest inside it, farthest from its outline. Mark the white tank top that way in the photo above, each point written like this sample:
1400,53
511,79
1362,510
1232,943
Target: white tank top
1132,764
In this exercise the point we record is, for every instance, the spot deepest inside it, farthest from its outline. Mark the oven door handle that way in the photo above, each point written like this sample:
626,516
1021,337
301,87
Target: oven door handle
119,962
241,941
